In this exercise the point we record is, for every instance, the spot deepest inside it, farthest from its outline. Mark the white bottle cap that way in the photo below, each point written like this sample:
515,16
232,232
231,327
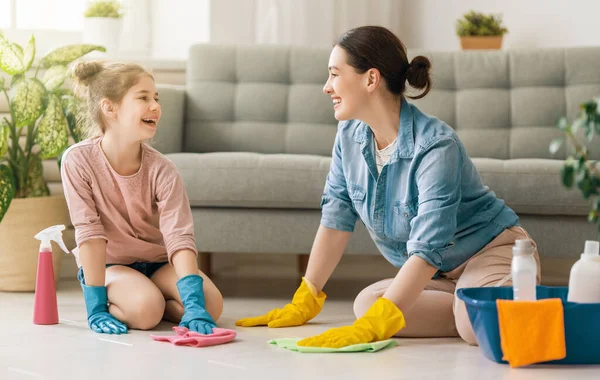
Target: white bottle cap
592,248
522,247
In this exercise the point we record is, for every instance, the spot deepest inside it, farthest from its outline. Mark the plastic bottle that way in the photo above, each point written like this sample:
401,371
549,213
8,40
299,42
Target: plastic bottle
584,280
45,309
524,271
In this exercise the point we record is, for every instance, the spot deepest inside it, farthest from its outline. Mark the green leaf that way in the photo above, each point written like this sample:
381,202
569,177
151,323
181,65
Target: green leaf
28,98
54,77
1,83
563,124
567,175
7,189
67,54
592,217
104,8
11,57
74,108
53,133
4,129
15,79
36,186
17,47
556,144
29,53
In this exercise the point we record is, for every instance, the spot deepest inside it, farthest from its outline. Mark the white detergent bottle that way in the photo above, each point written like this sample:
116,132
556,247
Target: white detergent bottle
524,271
584,281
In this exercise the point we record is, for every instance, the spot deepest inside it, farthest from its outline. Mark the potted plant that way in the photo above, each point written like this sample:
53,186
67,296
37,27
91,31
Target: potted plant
578,169
42,117
479,31
102,24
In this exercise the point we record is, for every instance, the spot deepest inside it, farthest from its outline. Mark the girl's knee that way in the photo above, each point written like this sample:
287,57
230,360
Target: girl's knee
145,311
214,304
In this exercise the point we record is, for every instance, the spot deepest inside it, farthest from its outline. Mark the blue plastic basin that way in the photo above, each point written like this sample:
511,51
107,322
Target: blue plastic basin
582,322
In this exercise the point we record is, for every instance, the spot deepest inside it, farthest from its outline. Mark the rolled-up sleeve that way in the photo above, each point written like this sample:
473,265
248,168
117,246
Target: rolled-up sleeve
438,177
77,187
176,221
337,210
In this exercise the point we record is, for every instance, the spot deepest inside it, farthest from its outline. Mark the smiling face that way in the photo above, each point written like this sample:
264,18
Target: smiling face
137,115
348,89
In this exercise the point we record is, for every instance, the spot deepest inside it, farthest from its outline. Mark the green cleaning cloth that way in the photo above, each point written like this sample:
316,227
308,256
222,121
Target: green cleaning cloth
290,344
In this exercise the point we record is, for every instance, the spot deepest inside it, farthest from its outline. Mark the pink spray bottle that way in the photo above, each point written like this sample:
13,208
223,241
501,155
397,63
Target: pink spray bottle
45,309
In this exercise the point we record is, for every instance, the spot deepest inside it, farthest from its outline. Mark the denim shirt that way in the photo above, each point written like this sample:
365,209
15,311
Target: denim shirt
428,201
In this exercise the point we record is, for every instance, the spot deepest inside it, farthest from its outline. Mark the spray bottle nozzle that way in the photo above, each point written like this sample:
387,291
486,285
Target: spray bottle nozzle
52,233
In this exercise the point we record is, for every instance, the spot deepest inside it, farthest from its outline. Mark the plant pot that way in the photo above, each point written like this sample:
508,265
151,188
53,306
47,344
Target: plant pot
19,250
103,31
481,43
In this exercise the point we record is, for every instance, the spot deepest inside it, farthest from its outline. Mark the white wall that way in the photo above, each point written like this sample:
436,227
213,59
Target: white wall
430,24
427,24
177,24
232,21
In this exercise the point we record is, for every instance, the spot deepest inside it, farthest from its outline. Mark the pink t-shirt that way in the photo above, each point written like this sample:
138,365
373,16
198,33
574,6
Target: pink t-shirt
143,217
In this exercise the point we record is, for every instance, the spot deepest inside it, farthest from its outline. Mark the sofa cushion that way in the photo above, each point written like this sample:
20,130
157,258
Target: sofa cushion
251,180
531,186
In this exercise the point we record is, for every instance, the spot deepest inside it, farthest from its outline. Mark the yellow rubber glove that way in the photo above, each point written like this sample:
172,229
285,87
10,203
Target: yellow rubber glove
305,305
380,322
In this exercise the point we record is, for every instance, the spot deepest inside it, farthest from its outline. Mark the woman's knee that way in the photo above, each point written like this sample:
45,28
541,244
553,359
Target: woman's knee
463,323
363,302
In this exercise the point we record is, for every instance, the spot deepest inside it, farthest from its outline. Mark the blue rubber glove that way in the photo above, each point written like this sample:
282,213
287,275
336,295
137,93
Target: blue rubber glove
195,317
99,319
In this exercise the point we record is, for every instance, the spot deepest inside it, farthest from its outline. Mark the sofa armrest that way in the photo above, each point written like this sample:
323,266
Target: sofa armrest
169,135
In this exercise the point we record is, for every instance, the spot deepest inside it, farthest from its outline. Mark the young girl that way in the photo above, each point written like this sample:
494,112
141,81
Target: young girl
133,223
407,176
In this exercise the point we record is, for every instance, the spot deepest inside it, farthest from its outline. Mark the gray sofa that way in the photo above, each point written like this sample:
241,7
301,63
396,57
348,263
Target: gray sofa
252,134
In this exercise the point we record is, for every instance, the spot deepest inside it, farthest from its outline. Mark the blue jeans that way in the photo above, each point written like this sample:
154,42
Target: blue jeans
147,269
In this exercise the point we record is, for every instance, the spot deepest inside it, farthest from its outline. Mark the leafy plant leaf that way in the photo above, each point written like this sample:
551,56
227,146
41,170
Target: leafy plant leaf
556,144
73,107
54,77
53,134
7,189
104,8
15,79
36,186
11,57
67,54
29,53
28,98
4,129
567,173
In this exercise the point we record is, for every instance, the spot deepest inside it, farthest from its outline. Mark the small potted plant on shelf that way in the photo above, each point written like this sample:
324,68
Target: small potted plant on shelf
42,115
479,31
102,24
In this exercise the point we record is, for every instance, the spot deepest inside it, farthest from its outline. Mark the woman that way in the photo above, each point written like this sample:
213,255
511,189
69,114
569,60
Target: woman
407,176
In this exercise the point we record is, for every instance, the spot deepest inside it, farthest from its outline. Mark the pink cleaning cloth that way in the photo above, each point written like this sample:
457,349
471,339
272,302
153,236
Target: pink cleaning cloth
186,337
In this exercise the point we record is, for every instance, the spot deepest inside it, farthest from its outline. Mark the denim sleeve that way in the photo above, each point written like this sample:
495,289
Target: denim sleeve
337,210
438,178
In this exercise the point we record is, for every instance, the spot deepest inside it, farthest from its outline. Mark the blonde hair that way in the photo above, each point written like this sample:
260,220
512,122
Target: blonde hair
98,80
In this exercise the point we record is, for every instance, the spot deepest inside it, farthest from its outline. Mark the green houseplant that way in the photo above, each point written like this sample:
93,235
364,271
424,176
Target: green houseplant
480,31
104,8
102,24
579,170
42,116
